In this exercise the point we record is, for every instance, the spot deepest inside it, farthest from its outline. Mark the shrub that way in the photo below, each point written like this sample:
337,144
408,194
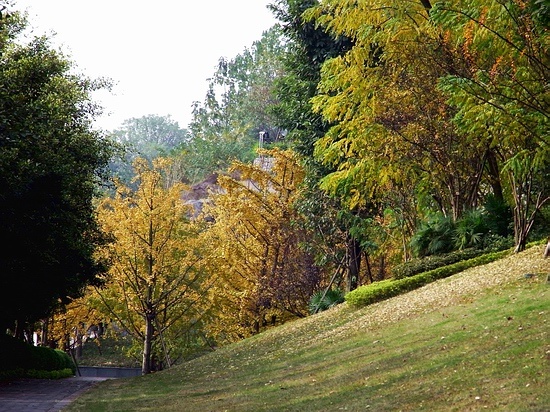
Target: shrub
65,361
376,292
55,374
45,359
19,359
435,236
14,353
321,301
416,266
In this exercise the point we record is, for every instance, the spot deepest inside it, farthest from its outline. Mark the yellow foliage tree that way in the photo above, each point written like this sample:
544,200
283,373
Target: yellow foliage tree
154,286
263,276
393,130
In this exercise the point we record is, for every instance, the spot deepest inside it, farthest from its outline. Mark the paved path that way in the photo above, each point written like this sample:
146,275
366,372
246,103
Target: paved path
42,395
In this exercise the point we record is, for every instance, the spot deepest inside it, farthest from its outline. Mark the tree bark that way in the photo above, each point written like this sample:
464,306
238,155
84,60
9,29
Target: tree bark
147,344
354,263
427,5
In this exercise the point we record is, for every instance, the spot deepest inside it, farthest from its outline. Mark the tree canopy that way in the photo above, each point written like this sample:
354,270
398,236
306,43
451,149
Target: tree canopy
154,287
51,161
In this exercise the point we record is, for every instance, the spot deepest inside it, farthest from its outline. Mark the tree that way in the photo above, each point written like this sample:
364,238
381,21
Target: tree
503,99
149,137
154,286
327,217
263,275
51,161
226,126
396,128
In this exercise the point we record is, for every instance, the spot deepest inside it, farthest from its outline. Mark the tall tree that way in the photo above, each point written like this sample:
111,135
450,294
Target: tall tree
51,161
503,98
329,221
264,276
393,123
149,137
395,128
153,288
226,125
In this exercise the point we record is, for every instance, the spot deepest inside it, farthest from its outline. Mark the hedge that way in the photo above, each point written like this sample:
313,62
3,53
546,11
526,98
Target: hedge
385,289
19,359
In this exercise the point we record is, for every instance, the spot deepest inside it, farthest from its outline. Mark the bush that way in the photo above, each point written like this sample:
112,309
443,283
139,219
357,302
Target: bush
56,374
45,359
476,228
321,301
416,266
65,360
19,359
14,353
376,292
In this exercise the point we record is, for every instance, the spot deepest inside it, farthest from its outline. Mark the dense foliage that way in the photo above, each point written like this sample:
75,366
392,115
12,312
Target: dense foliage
20,359
50,163
154,288
396,130
447,103
376,292
253,244
226,126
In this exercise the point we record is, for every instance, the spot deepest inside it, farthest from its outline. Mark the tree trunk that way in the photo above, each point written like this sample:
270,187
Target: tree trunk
493,174
44,332
354,263
147,344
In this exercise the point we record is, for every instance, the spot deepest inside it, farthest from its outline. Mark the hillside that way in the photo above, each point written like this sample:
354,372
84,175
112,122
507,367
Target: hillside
475,341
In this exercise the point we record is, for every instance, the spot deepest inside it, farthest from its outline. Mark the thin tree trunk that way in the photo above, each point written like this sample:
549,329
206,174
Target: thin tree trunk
147,344
494,174
354,263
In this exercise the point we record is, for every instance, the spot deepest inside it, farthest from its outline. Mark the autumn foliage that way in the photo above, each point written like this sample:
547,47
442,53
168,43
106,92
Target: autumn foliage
263,275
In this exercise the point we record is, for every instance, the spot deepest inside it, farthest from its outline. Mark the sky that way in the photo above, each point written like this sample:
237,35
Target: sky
159,53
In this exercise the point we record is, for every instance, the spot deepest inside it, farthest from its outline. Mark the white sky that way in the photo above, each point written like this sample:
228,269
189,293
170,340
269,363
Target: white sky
159,53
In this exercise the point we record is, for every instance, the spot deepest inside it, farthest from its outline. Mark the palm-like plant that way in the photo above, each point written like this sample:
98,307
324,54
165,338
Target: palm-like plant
325,299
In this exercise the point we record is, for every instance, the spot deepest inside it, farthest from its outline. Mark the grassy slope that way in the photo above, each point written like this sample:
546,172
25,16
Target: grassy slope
475,341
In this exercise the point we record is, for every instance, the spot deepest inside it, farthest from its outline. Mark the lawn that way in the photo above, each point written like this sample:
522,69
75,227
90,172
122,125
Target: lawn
475,341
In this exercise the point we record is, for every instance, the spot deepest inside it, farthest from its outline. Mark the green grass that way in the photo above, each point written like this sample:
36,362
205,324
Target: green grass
482,350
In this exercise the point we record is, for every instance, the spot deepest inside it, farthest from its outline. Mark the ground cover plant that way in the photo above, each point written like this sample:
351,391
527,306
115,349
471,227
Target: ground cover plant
477,340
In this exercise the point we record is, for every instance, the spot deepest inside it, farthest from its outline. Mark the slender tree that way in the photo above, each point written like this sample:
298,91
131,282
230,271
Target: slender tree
425,103
149,137
226,125
309,47
503,98
153,289
264,276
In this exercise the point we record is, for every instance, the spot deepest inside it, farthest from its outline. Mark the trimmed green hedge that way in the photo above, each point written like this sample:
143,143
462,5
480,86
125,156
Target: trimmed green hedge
35,374
417,266
19,359
376,292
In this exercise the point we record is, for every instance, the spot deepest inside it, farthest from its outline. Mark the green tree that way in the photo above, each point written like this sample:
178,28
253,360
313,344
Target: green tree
326,217
503,98
149,137
397,128
51,161
154,286
226,126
